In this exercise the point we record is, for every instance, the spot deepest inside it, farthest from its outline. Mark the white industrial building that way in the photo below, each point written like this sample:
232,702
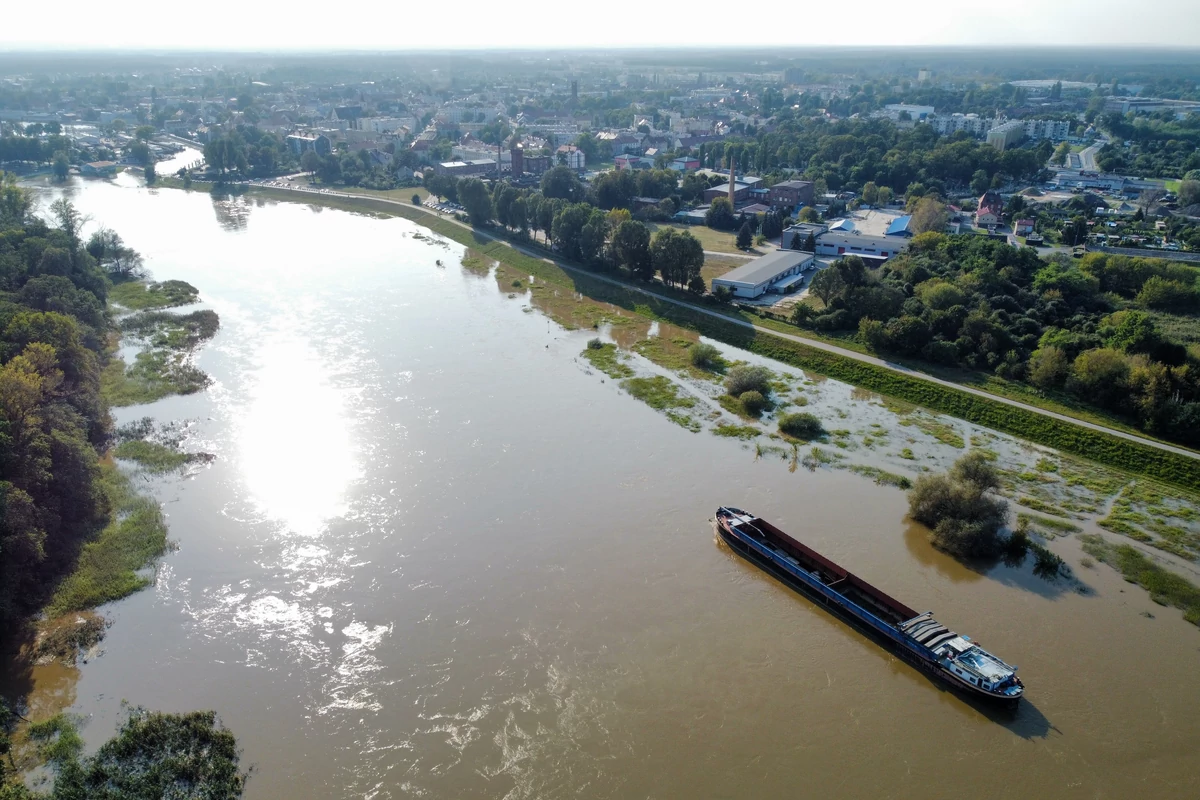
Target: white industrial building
868,247
780,271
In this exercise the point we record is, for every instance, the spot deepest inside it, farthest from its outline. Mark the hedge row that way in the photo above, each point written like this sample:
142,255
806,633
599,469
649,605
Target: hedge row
1068,437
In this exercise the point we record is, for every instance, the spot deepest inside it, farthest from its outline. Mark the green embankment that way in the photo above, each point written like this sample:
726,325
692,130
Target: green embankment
1096,446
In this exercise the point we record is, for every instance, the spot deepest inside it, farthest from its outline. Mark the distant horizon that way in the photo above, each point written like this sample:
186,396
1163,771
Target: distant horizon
470,25
766,49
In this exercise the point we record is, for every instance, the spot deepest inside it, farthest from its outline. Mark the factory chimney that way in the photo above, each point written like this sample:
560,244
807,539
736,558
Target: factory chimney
732,170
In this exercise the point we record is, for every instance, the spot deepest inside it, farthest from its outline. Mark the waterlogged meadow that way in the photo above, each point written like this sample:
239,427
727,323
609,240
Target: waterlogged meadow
777,413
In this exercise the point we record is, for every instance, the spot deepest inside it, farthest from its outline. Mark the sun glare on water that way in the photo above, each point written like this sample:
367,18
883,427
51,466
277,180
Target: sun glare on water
296,451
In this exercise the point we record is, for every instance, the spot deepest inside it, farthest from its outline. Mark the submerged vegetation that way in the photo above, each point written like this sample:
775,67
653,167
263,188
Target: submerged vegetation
965,519
152,456
1165,587
107,567
607,359
137,295
164,367
153,756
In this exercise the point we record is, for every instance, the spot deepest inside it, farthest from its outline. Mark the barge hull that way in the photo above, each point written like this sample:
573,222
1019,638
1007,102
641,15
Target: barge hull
853,598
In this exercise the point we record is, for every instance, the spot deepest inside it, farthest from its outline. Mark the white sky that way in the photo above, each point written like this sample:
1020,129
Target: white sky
411,24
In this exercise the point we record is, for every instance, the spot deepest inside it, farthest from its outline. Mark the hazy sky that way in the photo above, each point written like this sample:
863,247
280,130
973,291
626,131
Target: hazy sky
406,24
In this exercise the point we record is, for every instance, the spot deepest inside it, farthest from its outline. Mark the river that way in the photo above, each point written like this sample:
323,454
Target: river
436,556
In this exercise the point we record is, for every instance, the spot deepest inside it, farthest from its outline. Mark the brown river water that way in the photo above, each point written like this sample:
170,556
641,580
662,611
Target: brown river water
437,556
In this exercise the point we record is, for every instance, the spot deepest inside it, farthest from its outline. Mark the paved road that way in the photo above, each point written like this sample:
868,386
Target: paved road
814,343
1087,157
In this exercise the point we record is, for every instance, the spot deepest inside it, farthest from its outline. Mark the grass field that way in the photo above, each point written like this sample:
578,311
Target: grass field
715,241
716,266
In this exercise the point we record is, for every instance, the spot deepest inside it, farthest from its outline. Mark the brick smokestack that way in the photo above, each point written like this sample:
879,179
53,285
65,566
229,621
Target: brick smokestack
732,171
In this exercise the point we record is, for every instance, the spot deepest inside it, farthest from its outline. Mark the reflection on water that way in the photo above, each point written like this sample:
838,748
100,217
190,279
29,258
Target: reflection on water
294,444
437,557
232,210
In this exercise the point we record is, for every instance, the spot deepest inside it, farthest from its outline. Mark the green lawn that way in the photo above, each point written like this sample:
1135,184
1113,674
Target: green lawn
716,241
716,266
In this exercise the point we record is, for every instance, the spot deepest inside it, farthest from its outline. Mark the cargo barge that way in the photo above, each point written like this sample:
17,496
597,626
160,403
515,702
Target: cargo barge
916,637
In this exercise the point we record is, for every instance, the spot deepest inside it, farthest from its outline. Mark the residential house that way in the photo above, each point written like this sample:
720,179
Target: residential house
633,162
1023,227
300,144
571,156
990,211
685,163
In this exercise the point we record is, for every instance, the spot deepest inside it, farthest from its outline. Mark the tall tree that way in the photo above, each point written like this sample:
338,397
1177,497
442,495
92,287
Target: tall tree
745,237
677,256
631,247
929,215
475,199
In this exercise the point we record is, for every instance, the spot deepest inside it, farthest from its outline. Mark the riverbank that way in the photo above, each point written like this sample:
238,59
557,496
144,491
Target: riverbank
111,565
983,384
1127,452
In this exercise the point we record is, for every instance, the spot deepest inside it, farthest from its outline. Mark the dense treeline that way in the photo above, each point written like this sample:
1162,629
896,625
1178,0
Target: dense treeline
850,153
53,326
250,152
33,148
1083,327
1161,146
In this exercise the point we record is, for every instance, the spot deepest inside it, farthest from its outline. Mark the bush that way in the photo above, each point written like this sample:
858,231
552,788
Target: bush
965,519
801,426
753,402
595,344
705,356
748,379
416,199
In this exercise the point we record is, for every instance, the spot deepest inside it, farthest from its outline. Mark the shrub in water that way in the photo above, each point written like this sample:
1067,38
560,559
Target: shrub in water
748,379
595,344
705,356
801,426
966,521
753,402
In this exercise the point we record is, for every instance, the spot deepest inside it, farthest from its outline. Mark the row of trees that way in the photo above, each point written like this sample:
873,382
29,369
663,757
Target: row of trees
599,239
1094,328
850,153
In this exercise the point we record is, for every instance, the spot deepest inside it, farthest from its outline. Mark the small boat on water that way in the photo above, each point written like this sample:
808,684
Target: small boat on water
917,638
